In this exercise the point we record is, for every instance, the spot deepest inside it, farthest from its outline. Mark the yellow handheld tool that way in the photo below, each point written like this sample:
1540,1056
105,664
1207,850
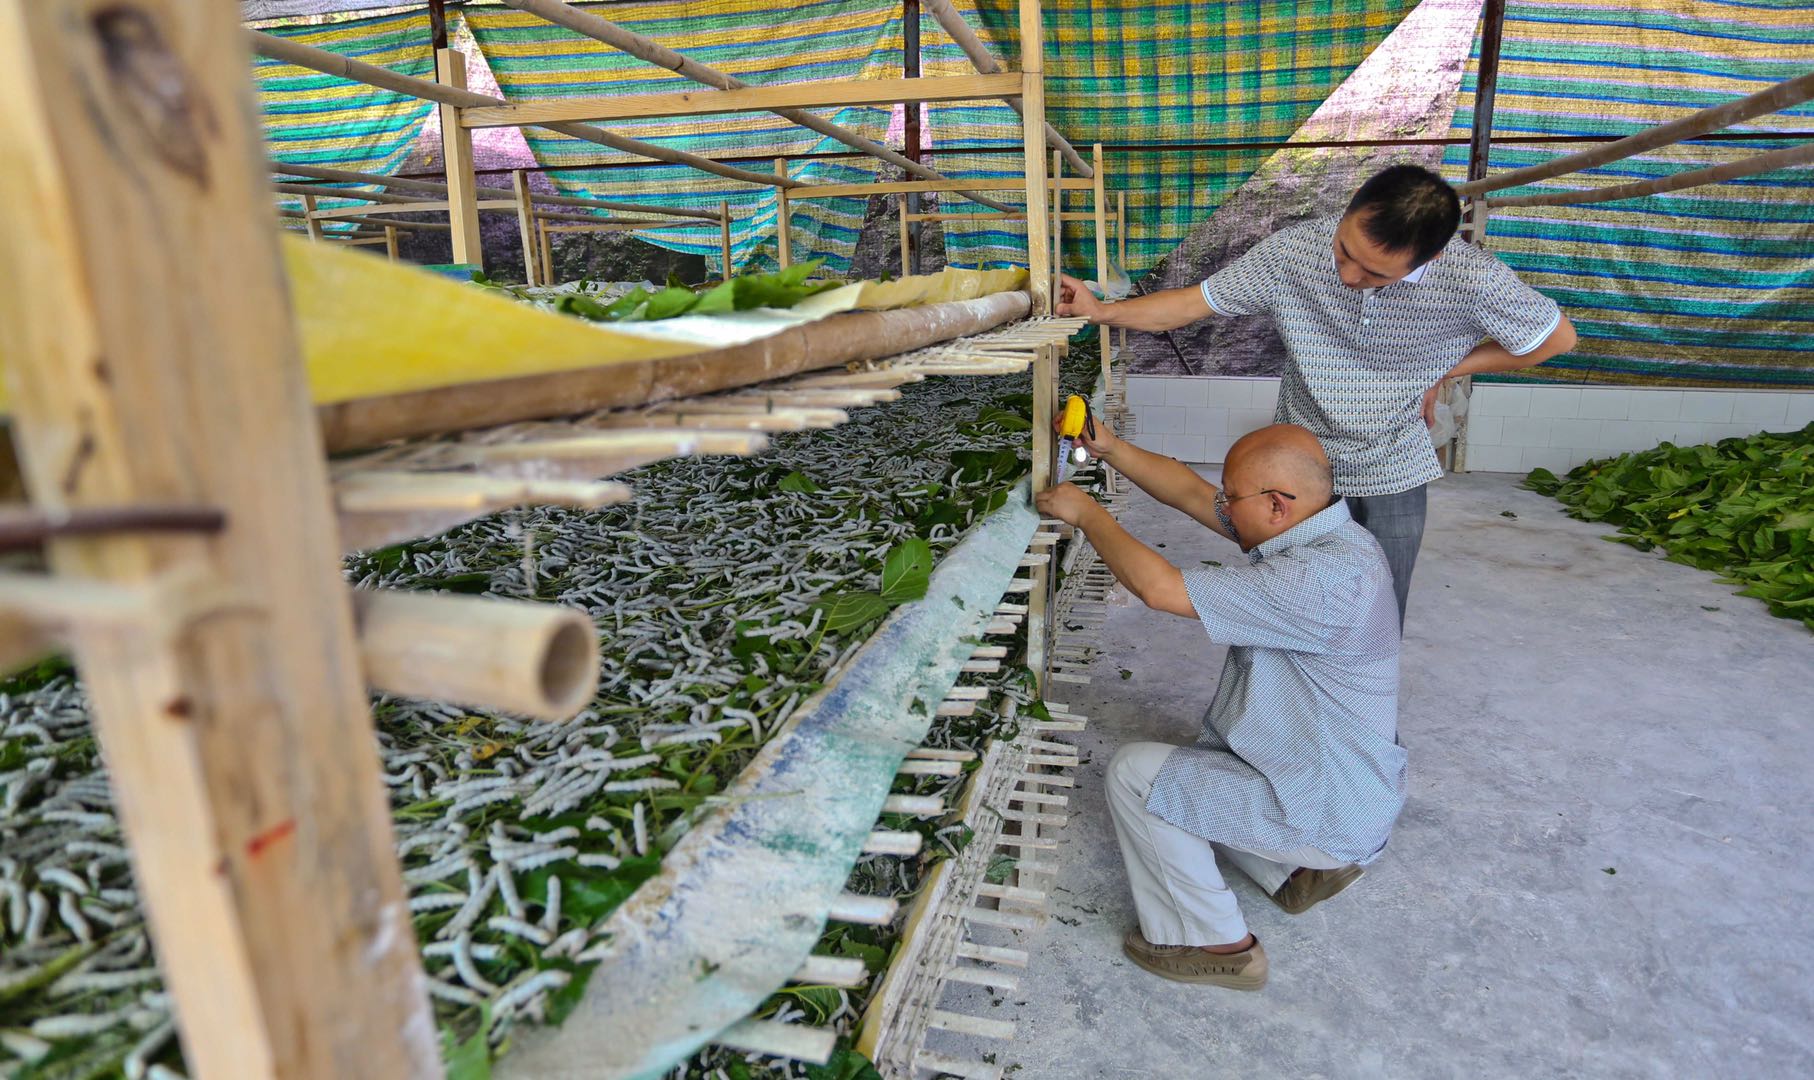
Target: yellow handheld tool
1072,423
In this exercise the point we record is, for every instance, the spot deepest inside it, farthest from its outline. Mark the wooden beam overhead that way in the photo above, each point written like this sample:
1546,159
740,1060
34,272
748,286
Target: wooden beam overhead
807,95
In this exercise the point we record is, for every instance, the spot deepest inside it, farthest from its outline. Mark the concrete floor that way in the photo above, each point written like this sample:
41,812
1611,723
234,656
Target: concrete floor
1572,708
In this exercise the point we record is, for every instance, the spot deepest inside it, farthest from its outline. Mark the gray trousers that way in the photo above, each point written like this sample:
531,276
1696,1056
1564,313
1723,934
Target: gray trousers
1180,896
1396,521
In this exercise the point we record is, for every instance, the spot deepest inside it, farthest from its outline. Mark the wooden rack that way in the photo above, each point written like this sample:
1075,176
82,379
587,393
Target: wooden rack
230,665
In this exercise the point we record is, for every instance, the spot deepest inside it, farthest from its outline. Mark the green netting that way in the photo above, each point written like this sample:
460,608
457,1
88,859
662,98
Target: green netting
1708,286
316,119
1152,74
750,39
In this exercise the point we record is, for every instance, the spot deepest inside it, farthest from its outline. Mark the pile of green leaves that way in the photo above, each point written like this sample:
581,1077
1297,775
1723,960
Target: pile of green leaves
781,289
1743,508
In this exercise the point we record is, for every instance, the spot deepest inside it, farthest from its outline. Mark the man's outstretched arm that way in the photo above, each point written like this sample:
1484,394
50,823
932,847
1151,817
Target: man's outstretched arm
1165,310
1145,572
1166,479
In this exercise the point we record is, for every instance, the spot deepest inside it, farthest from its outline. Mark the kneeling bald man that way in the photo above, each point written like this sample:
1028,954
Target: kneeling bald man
1298,775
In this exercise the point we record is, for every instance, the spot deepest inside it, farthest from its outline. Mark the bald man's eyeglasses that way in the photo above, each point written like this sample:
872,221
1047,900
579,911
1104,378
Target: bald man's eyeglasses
1223,499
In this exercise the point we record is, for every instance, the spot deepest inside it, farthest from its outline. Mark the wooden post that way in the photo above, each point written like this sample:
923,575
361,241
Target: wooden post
309,220
1121,246
1045,385
547,253
1102,257
1057,221
525,219
724,240
390,243
1033,125
906,239
456,153
237,734
784,241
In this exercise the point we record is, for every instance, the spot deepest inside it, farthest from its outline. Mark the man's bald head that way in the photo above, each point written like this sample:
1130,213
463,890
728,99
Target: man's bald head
1286,457
1280,458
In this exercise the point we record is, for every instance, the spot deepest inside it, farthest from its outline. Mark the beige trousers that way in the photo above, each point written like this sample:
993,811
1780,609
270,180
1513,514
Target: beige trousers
1179,893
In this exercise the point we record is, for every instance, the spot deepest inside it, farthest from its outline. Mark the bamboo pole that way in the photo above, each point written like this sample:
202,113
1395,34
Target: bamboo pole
1732,170
291,52
724,243
1121,245
980,57
456,154
828,343
537,660
784,241
1102,259
603,30
1775,99
404,183
381,223
390,242
525,221
340,193
1033,116
238,740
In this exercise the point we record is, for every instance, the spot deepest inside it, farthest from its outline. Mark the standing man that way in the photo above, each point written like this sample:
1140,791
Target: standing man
1298,775
1377,307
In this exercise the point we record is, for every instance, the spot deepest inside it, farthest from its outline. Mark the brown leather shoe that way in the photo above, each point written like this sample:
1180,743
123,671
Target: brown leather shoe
1308,888
1193,964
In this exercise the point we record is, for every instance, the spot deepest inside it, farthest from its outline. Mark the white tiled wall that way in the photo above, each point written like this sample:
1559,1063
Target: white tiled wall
1510,428
1197,419
1519,428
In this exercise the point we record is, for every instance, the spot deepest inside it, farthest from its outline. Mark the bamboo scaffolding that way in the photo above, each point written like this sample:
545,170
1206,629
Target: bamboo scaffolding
1751,166
328,63
603,30
1775,99
894,187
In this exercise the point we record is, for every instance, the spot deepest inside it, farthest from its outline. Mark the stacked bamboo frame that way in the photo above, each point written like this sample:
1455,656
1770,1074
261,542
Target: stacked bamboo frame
230,664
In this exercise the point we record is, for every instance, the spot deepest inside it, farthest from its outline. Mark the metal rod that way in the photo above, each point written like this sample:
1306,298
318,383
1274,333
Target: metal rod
437,24
1486,88
417,182
28,527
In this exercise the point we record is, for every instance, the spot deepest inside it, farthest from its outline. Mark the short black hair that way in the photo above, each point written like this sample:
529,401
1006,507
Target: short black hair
1408,208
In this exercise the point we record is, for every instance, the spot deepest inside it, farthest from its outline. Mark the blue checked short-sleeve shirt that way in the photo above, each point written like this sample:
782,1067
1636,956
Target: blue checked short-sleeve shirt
1362,359
1300,744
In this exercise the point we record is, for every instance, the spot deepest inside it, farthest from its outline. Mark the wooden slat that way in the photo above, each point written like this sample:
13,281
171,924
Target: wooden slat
456,154
240,747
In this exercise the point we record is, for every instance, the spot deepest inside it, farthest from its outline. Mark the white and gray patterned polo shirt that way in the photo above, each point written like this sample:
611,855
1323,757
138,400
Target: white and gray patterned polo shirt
1300,744
1362,359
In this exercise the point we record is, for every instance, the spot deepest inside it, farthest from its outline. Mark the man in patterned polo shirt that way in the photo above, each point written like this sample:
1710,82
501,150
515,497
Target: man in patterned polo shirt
1298,775
1376,307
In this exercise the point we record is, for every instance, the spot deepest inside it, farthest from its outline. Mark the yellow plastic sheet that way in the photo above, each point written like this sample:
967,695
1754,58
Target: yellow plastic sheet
371,328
